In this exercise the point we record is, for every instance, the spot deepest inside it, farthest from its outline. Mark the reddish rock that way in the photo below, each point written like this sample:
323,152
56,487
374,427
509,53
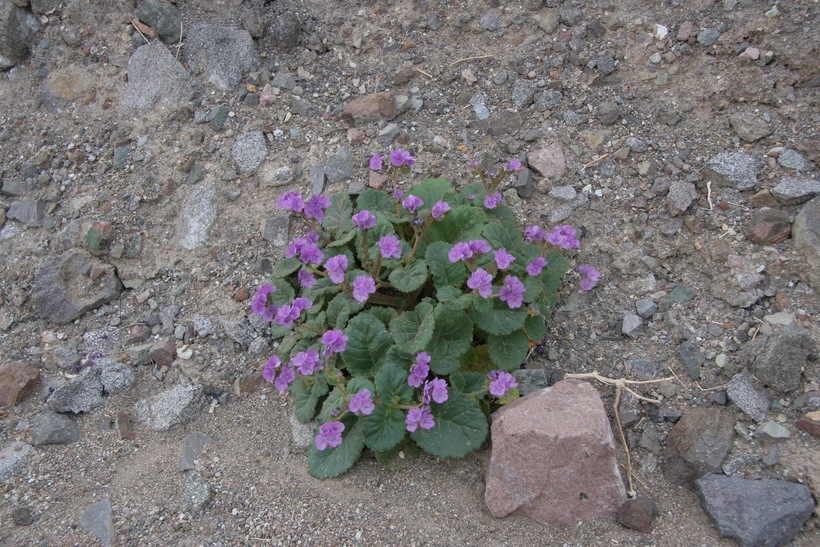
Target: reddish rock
548,162
685,31
638,514
163,352
764,198
553,457
242,294
377,180
768,226
17,379
809,425
370,108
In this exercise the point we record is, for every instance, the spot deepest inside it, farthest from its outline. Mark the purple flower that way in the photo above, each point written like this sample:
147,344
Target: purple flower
286,376
290,201
534,233
474,164
591,277
500,382
259,304
376,162
363,287
438,388
490,202
419,417
306,361
537,264
471,197
439,209
401,158
330,434
564,237
412,203
364,219
482,282
306,249
362,403
513,165
269,372
480,246
503,259
315,207
334,341
390,247
512,292
398,193
460,251
336,268
306,279
286,315
418,374
300,304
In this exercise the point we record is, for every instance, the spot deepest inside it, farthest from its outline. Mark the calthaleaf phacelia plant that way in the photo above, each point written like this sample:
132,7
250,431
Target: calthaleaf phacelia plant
403,314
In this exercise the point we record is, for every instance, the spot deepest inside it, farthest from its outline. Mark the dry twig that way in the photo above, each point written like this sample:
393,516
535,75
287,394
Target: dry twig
593,162
465,59
143,29
422,72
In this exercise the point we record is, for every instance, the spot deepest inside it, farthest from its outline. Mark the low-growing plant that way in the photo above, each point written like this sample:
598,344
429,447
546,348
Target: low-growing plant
403,313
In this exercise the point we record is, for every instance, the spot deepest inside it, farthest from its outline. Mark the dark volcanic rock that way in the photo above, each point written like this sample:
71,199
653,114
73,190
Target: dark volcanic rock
698,444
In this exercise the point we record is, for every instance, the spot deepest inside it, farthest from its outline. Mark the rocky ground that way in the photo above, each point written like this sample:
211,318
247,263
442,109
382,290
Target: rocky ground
136,216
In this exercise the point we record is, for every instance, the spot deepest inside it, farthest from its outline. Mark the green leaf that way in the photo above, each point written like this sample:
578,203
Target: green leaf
535,327
332,462
391,383
384,428
283,294
454,298
495,317
355,385
337,216
445,273
477,359
432,190
502,214
316,325
452,336
334,402
413,330
323,286
306,393
551,279
286,266
340,309
409,278
532,289
510,350
460,224
383,314
374,201
343,239
460,428
367,345
468,382
499,236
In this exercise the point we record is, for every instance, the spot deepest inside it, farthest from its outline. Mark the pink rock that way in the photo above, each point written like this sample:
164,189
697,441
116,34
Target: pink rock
685,31
370,108
548,162
17,379
553,457
163,352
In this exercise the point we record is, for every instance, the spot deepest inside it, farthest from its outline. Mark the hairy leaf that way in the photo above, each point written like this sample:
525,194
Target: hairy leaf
460,428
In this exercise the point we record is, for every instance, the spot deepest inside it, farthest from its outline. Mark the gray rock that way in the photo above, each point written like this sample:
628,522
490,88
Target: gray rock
301,434
743,394
749,126
17,186
736,169
771,431
549,99
563,193
636,144
792,159
163,18
708,37
115,377
192,445
52,428
523,92
80,394
13,457
196,216
642,369
565,210
433,21
605,65
692,359
17,31
223,55
646,307
387,135
155,75
30,212
171,408
570,15
276,230
780,364
524,183
316,175
632,325
339,166
283,33
98,519
249,150
609,112
68,285
530,380
698,444
547,20
681,195
203,326
806,236
489,21
21,516
792,191
765,512
197,494
44,7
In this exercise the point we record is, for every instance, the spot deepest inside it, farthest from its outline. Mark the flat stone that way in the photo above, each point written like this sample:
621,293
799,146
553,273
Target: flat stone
806,236
30,212
18,28
743,394
21,516
222,55
548,99
163,352
553,457
13,457
370,108
771,430
749,126
192,445
792,159
155,75
681,293
283,32
698,444
755,512
781,363
68,285
53,428
632,325
88,389
523,92
768,226
164,18
548,162
524,183
196,495
530,380
793,191
547,20
609,112
680,196
638,514
301,434
646,307
17,380
249,150
708,37
692,358
339,166
171,408
196,216
99,520
736,169
563,193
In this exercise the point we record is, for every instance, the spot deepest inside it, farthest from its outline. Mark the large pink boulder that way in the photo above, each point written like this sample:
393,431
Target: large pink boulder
553,457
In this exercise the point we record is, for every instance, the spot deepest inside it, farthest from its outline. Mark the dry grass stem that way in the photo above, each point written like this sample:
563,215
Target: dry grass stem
465,59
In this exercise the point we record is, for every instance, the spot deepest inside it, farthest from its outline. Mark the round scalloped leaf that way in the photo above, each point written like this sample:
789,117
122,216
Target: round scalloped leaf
332,462
460,427
384,428
510,350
